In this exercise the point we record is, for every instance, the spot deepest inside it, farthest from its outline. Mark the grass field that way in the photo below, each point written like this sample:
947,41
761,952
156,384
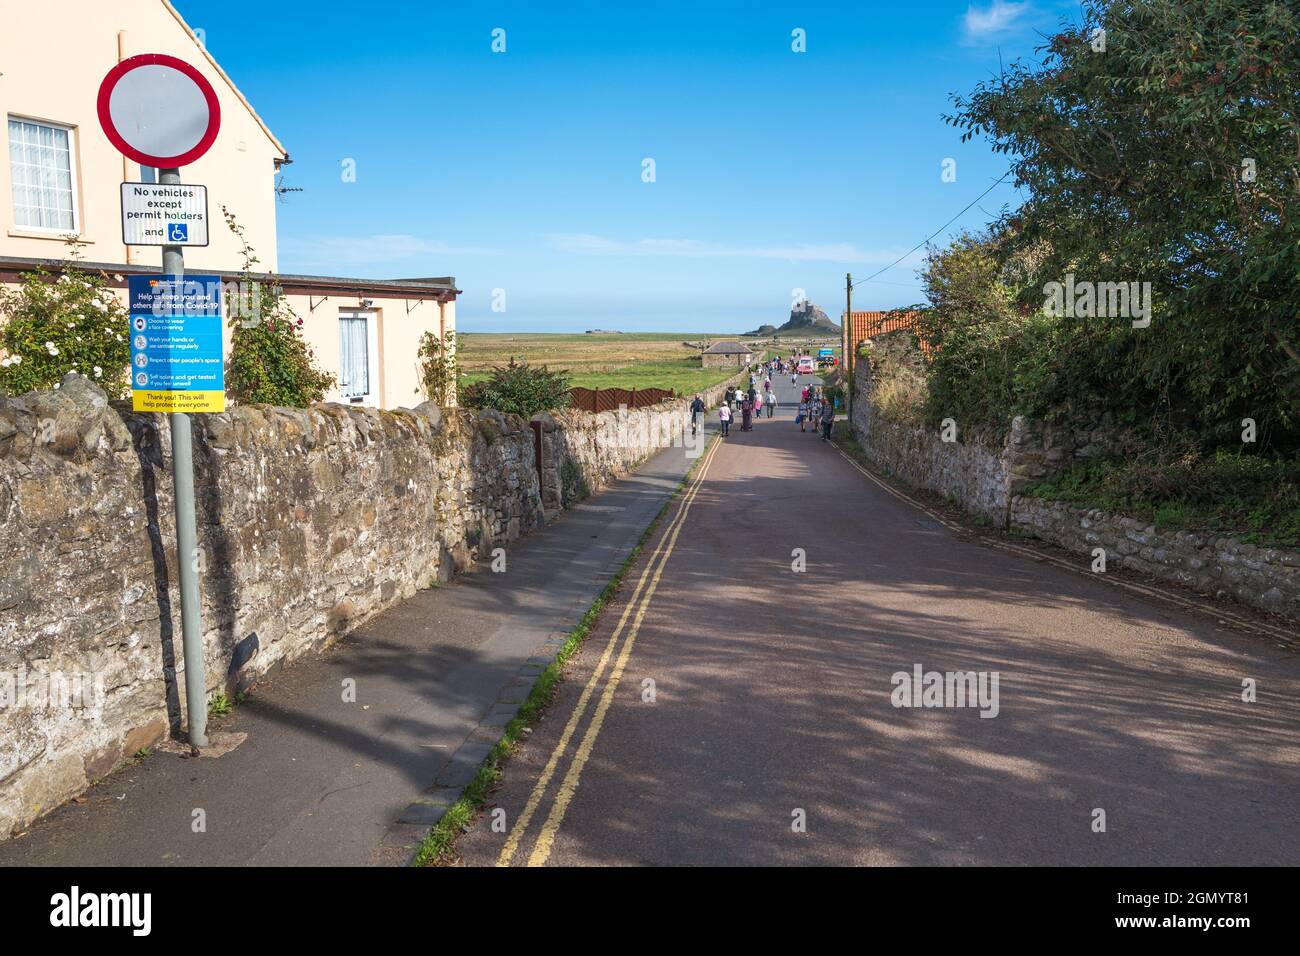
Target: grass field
603,360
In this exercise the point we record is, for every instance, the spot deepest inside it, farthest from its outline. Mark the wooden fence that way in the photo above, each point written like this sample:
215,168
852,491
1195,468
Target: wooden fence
609,399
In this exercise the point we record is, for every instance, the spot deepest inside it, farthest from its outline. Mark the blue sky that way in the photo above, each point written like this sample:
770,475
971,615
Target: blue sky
774,170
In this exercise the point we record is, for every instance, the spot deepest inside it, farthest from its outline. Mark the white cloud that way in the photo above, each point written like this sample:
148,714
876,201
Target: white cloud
988,23
588,244
318,252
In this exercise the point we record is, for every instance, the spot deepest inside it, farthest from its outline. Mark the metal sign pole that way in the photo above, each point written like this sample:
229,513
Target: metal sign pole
187,550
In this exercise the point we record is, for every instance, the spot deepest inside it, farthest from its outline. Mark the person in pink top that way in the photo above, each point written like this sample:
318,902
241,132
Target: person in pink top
724,417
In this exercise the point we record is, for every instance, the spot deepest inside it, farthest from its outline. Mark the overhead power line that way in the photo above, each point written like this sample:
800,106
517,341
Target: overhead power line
963,212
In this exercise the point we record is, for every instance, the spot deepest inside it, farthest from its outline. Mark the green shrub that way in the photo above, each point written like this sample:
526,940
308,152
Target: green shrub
73,323
1170,483
519,388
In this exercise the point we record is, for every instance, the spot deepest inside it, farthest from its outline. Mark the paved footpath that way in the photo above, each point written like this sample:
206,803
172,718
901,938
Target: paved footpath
770,702
323,782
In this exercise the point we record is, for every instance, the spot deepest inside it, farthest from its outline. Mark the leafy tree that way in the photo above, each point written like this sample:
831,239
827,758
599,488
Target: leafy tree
73,323
520,388
269,361
1159,141
991,356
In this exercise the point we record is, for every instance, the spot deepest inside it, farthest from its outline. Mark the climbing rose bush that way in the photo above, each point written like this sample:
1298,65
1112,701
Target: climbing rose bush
50,326
270,363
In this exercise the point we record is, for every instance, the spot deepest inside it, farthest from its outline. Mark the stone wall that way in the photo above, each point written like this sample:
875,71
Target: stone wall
987,477
310,522
981,473
1267,578
972,473
1036,450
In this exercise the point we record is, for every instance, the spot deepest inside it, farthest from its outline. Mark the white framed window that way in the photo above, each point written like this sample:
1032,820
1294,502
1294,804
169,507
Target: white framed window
43,173
359,357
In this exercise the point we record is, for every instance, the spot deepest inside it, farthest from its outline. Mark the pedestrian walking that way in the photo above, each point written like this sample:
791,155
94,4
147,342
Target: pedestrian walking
769,400
697,411
747,415
724,418
802,416
828,419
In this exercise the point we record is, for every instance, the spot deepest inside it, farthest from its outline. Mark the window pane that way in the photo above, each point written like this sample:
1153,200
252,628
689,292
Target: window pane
354,357
40,164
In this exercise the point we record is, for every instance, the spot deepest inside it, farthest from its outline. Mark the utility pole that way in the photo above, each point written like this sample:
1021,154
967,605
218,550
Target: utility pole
187,551
848,344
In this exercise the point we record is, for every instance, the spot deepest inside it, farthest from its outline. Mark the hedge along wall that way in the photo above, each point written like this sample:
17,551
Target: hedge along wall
311,521
986,478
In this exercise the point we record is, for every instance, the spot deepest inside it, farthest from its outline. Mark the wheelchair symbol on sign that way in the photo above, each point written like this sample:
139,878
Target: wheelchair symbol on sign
178,232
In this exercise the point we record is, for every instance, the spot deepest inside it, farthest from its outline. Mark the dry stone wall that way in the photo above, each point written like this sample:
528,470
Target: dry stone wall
310,522
972,473
1267,578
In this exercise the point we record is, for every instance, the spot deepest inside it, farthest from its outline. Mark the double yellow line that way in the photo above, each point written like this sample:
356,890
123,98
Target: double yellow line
634,612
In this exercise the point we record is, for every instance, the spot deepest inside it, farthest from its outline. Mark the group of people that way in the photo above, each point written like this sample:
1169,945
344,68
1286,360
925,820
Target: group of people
814,407
748,403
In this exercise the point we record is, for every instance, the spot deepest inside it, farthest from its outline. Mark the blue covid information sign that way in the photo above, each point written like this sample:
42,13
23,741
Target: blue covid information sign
177,363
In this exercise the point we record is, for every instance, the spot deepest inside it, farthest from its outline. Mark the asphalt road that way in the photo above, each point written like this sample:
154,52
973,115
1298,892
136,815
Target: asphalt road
772,700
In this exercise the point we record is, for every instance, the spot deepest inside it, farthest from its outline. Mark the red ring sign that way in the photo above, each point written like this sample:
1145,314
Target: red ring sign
158,110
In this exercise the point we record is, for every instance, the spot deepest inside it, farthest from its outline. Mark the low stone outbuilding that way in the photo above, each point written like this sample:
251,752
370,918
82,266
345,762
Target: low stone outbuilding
726,353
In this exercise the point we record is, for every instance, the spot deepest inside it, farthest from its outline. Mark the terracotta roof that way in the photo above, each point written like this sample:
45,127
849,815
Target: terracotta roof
868,325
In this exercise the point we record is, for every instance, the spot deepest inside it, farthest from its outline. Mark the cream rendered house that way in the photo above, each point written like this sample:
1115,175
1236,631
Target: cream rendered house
62,177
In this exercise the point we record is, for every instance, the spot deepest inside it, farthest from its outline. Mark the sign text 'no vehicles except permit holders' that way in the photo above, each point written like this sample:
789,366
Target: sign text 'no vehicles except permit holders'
176,355
162,214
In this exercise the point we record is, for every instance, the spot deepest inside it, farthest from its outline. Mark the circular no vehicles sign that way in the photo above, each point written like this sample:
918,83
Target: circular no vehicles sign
159,110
